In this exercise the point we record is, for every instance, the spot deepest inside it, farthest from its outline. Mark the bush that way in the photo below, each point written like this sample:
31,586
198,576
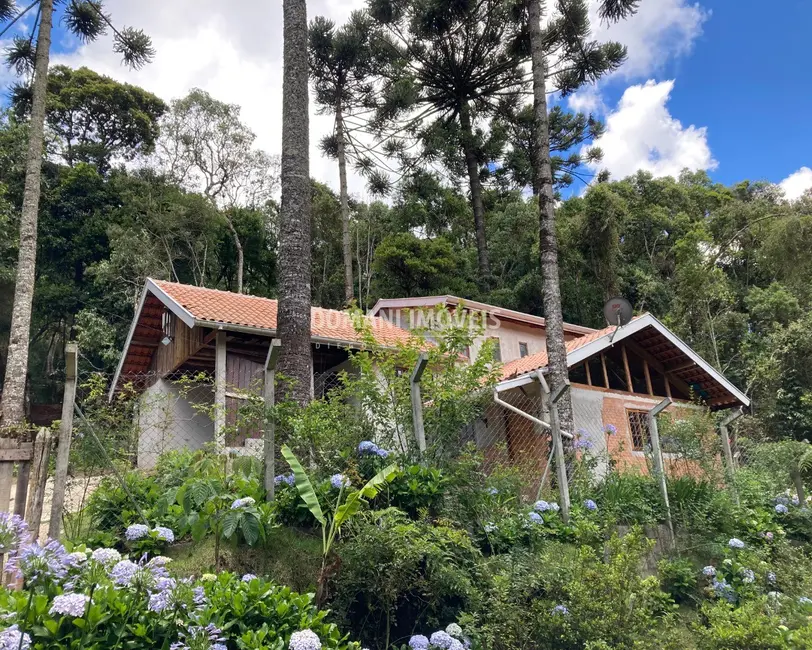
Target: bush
418,490
678,579
630,499
753,625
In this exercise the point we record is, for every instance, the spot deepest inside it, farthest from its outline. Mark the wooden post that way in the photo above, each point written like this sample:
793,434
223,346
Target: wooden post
21,491
588,373
605,373
63,445
6,473
417,401
558,444
667,386
648,377
659,466
629,387
269,445
724,432
220,392
39,479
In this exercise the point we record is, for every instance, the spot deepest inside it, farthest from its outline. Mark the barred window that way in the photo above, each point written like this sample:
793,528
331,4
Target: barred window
523,351
638,426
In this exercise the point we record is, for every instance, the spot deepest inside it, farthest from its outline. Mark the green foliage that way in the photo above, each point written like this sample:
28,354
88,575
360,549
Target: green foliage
418,490
678,579
754,625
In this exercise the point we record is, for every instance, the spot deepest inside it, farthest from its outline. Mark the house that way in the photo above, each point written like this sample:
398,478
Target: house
617,375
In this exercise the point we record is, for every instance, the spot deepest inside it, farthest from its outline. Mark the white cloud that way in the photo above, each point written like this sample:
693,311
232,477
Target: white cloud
659,31
796,184
642,134
586,100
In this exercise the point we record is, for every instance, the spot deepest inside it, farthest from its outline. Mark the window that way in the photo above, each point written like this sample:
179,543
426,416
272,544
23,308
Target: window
523,351
497,348
638,426
167,327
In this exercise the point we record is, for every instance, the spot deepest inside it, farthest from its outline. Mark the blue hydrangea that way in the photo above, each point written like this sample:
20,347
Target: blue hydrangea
13,531
367,447
12,639
284,479
748,576
782,499
248,577
541,506
123,573
805,601
781,509
304,640
35,563
69,605
105,555
242,503
382,453
735,542
723,590
554,506
560,610
536,518
136,531
165,534
338,481
419,642
771,577
796,501
442,639
589,504
709,571
493,491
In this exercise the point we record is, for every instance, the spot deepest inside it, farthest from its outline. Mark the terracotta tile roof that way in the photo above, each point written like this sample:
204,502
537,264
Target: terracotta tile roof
252,311
539,360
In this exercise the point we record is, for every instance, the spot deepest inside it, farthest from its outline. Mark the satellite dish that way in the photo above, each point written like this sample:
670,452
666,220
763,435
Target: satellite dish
617,311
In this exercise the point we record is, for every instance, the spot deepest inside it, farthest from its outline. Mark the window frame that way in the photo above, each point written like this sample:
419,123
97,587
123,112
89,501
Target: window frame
642,425
524,349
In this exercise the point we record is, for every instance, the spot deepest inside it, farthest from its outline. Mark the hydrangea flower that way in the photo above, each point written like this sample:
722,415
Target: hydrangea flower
367,447
781,509
304,640
243,503
723,590
12,639
419,642
490,527
338,481
382,453
13,530
493,491
165,534
287,479
145,574
78,557
69,605
709,571
735,542
248,577
536,518
456,645
796,501
610,429
771,577
34,563
136,531
454,630
541,506
105,555
589,504
554,506
123,572
782,499
560,610
442,639
748,576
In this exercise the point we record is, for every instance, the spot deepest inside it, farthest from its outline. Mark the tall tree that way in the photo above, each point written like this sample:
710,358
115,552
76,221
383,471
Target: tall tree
293,320
94,118
342,66
458,63
206,147
579,61
87,20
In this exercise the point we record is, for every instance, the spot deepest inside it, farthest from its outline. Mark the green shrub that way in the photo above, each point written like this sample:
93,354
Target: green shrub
417,489
750,626
629,498
678,579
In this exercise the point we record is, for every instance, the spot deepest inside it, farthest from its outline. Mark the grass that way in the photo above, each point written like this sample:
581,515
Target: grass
289,557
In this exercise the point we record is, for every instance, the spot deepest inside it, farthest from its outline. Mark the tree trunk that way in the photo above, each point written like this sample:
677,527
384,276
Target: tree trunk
240,254
478,206
548,246
293,323
345,206
12,407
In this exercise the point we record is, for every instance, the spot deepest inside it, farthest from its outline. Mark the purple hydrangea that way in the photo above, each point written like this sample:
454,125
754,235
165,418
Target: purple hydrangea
105,555
589,504
13,531
709,571
442,639
69,605
123,573
419,642
560,610
304,640
339,481
735,542
287,479
34,563
541,506
12,639
535,517
382,453
781,509
243,503
165,534
136,531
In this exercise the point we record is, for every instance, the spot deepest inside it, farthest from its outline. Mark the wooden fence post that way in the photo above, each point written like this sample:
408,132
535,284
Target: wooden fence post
269,445
65,434
558,443
417,401
39,479
659,466
724,432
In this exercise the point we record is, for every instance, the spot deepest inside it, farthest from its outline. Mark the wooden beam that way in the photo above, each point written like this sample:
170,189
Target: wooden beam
629,386
667,386
680,366
676,381
588,373
605,373
648,377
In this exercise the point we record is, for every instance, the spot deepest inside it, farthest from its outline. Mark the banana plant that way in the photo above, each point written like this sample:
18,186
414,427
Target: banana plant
345,508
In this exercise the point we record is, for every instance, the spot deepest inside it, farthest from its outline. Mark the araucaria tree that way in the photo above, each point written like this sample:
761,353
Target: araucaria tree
458,62
293,320
342,66
562,51
29,56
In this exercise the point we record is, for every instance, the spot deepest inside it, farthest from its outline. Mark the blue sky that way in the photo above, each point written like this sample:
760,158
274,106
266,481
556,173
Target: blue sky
722,85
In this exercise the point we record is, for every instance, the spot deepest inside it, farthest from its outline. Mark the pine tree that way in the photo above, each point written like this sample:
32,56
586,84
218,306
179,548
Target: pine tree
29,57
